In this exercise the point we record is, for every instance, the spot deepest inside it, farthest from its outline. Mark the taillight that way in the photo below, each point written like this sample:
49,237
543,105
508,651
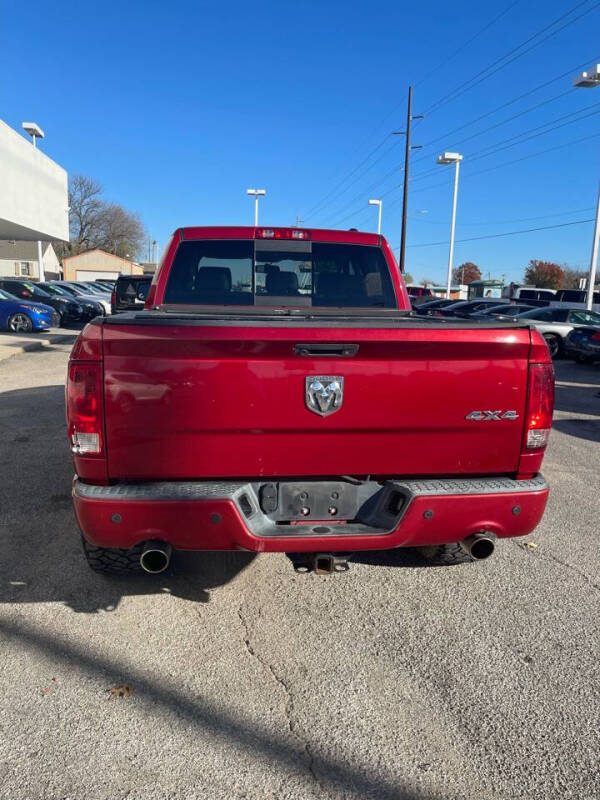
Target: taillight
596,337
113,298
84,408
540,405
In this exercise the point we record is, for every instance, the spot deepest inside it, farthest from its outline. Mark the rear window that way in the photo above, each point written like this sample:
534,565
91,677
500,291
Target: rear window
131,289
248,272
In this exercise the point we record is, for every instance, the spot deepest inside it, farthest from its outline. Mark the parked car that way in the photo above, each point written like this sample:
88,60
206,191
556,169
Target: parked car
555,323
95,288
575,296
529,294
107,283
583,344
275,396
90,308
22,316
464,308
418,295
130,293
67,308
433,305
77,292
503,310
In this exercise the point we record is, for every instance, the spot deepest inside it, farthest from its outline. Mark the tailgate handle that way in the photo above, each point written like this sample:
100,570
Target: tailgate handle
312,349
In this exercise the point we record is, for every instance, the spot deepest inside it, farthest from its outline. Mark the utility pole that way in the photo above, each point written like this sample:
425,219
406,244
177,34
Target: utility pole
298,221
407,149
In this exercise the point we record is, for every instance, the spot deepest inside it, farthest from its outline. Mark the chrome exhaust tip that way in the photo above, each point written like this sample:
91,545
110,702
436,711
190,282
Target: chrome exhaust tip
479,545
155,557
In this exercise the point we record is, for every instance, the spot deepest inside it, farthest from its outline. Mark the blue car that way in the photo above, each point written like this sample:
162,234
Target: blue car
22,316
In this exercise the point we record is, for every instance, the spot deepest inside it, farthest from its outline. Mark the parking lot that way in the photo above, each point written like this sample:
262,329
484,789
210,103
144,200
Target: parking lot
242,679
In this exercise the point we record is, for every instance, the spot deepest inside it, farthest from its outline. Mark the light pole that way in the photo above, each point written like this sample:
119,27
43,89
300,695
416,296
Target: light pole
380,204
36,132
451,158
256,193
589,80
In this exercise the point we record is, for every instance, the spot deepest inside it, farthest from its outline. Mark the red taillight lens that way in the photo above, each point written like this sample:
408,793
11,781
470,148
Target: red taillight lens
84,408
113,298
540,405
596,337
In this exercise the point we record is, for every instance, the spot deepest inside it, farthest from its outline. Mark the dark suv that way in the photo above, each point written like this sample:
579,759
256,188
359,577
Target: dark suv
130,293
68,309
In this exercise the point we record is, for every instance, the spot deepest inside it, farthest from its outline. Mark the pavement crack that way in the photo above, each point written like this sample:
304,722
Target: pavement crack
573,568
289,703
551,557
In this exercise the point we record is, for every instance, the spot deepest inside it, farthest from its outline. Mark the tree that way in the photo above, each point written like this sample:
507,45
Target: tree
119,231
543,274
571,277
408,278
466,273
95,223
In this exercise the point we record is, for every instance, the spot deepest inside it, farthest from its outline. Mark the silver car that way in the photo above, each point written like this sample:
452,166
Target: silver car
554,323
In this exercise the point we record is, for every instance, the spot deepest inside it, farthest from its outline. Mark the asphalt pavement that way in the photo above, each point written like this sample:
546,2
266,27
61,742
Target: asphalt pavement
237,678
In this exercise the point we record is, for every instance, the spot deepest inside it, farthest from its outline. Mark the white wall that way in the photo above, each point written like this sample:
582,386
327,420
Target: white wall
34,194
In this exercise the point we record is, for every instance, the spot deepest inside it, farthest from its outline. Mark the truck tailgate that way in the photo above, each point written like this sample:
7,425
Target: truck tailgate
217,401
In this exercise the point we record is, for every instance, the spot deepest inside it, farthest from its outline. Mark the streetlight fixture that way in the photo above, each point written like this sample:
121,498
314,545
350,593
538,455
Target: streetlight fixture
380,204
451,158
589,80
256,193
34,130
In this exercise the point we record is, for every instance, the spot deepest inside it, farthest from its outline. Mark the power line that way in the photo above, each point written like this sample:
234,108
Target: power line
502,145
473,136
399,105
511,102
522,219
467,43
521,138
507,233
349,175
468,175
486,73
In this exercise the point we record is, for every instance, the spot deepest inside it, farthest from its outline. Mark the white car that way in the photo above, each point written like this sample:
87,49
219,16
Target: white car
555,323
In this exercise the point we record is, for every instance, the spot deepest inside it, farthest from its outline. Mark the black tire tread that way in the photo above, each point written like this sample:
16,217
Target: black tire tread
112,560
444,555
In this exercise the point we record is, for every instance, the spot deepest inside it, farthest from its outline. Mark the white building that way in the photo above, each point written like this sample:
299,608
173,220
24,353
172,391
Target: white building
20,260
33,203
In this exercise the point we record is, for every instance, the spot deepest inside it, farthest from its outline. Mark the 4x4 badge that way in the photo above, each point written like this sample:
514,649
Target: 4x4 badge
323,394
493,415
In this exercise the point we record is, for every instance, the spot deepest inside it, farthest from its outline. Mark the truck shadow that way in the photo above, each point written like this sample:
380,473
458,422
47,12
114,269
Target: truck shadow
42,559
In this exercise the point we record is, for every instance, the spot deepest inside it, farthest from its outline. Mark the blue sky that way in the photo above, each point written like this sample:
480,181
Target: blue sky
178,108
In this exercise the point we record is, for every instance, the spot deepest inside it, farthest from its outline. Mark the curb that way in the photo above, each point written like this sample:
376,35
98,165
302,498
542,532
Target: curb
26,347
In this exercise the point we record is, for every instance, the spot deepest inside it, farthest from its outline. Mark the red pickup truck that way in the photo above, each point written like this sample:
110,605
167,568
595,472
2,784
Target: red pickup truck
277,394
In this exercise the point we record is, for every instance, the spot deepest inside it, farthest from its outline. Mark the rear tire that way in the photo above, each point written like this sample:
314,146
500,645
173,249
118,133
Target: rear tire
555,344
445,555
112,560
